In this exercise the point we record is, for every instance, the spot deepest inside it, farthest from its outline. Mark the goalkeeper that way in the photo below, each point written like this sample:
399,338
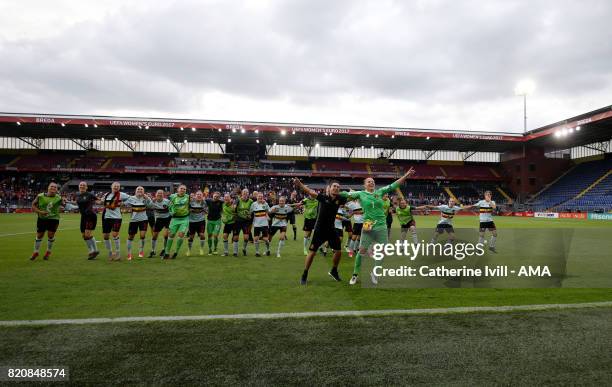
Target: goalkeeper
374,218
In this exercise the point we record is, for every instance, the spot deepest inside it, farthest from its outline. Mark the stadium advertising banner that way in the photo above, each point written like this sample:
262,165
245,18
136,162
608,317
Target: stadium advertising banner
597,216
548,215
572,215
523,214
258,127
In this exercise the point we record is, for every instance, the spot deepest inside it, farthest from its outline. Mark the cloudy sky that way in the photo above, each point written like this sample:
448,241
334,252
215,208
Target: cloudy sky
429,63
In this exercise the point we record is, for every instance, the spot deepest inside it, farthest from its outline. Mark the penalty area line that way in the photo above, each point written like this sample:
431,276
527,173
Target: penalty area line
340,313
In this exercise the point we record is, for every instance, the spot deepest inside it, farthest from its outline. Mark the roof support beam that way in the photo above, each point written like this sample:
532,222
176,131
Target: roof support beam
467,155
427,154
349,151
599,146
85,144
130,144
35,142
177,146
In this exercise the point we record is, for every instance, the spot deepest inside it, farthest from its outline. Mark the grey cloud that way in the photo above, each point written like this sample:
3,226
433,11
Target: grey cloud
309,52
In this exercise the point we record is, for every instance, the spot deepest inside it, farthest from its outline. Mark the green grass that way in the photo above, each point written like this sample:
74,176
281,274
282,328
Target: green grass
69,286
538,348
547,347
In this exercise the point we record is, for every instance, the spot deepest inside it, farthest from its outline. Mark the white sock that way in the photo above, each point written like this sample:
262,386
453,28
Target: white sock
117,244
107,244
281,243
50,244
129,246
37,244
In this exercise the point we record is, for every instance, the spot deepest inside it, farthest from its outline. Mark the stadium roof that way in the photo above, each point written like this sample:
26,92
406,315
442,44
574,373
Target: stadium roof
594,126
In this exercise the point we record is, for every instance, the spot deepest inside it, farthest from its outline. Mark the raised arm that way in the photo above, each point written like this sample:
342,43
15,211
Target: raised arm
402,179
310,192
395,185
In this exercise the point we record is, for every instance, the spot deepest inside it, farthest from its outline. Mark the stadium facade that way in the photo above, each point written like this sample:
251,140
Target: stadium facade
564,166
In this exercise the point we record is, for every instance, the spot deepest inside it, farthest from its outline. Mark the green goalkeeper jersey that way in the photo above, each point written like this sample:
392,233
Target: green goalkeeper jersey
311,206
404,215
179,205
51,204
372,204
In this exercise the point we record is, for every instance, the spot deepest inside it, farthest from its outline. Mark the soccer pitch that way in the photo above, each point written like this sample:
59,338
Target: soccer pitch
69,286
550,347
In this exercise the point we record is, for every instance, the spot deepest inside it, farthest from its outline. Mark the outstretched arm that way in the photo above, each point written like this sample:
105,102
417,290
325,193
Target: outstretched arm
395,185
402,179
310,192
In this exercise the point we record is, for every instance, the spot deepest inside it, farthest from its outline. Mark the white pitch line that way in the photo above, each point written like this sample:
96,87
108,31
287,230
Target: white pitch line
348,313
34,232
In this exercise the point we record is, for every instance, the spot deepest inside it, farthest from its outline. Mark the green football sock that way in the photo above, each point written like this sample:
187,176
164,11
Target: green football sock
169,243
357,268
179,243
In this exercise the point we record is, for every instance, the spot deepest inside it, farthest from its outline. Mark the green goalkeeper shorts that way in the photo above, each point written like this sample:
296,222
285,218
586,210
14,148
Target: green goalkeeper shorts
178,225
378,234
213,227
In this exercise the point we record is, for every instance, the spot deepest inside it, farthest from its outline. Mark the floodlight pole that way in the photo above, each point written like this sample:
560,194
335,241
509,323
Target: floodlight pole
525,113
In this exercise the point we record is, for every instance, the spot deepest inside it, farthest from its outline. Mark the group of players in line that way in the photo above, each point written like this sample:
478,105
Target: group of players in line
326,216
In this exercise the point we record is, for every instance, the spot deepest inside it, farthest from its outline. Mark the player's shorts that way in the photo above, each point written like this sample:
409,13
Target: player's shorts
389,220
378,234
111,224
262,231
440,228
88,222
179,225
339,232
161,223
320,236
291,217
197,227
213,227
243,225
357,228
275,229
309,224
134,227
487,225
408,225
348,226
43,225
228,228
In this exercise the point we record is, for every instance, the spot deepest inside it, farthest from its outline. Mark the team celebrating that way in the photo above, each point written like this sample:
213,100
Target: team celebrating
365,215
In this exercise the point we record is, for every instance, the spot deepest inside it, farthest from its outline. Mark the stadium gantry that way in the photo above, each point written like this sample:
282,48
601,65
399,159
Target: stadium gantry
531,168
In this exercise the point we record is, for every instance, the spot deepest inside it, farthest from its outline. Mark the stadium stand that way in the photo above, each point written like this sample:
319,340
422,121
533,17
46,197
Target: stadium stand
563,192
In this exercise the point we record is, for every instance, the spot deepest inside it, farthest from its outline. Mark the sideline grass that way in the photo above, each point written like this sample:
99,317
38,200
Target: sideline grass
560,347
68,286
